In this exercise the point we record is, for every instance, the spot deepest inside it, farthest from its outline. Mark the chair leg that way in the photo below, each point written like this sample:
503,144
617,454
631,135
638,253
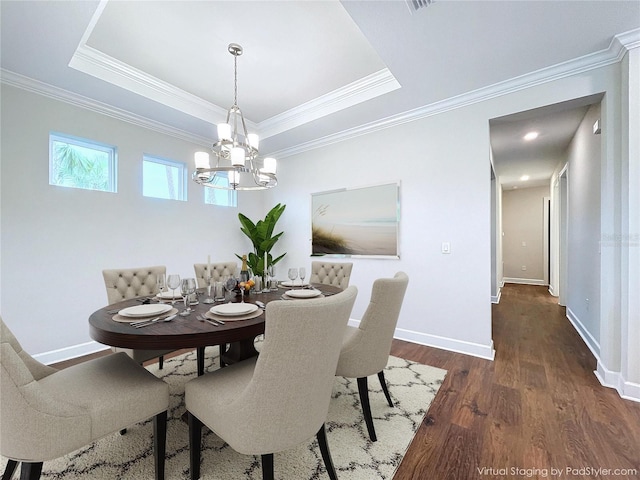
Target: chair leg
30,471
326,454
363,390
160,443
223,350
267,466
9,470
383,383
200,360
195,444
160,362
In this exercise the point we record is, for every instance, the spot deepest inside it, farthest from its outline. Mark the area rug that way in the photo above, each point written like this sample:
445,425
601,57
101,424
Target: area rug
130,456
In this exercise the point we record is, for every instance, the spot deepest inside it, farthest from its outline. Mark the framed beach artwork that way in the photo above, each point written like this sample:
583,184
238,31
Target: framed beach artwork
360,221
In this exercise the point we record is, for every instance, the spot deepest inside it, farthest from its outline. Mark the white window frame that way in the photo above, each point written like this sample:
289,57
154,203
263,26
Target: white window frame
110,150
232,197
181,194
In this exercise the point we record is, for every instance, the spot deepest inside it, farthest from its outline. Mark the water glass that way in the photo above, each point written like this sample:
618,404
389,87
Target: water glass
257,287
161,282
218,291
208,282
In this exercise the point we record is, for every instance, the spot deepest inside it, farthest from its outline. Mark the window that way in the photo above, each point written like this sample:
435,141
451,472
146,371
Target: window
223,198
162,178
80,163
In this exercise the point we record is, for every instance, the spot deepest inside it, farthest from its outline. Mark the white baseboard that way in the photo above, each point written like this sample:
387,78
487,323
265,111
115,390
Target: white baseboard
458,346
525,281
588,339
611,379
496,298
67,353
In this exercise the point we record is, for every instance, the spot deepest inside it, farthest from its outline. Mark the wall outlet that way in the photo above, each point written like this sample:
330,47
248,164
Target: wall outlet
446,247
524,267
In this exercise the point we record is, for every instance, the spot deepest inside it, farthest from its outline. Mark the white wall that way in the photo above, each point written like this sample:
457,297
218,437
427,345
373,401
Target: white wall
523,242
56,241
583,275
442,180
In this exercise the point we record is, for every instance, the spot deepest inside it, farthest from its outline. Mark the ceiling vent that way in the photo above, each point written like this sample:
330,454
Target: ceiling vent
415,5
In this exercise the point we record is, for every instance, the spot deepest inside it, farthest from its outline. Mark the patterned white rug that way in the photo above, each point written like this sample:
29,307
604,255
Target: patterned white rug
130,456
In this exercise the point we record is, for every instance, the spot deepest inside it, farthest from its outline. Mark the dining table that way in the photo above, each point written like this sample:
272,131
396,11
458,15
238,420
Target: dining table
190,332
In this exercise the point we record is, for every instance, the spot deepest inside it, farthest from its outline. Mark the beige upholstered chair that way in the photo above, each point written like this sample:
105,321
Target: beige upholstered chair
279,400
125,283
47,413
337,274
365,350
218,270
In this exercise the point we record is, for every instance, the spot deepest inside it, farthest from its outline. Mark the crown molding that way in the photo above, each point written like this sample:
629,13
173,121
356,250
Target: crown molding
93,62
13,79
100,65
619,45
371,86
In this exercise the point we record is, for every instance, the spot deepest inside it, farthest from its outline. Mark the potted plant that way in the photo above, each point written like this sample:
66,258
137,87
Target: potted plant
262,238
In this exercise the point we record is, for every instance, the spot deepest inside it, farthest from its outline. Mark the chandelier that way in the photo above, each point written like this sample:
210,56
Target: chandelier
237,166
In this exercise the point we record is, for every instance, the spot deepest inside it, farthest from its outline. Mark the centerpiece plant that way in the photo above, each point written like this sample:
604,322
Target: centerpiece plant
262,239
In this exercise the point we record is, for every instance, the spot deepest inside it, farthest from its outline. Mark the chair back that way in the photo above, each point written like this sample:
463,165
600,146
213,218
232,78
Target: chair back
367,351
337,274
125,283
26,411
218,271
288,396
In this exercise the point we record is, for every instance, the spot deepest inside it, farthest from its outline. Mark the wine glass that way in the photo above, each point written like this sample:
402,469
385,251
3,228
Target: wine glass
303,273
230,283
161,282
272,275
293,274
208,281
187,288
173,282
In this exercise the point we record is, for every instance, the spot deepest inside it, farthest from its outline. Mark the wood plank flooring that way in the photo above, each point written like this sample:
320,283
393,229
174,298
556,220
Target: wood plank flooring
537,406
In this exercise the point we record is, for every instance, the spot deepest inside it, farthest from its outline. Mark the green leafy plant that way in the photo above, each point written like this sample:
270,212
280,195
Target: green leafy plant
262,238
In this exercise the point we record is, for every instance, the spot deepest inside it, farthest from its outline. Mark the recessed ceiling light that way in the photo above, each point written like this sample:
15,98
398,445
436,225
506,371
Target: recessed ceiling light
531,136
524,178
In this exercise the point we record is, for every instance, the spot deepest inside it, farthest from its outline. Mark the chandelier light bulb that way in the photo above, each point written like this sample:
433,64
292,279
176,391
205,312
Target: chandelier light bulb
202,159
254,140
237,157
224,131
269,165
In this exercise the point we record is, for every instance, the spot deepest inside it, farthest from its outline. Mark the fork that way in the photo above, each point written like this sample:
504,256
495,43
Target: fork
202,318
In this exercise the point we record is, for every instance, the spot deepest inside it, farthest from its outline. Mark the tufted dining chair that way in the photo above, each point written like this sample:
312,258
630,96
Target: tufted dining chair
47,413
279,400
336,274
126,283
218,271
365,349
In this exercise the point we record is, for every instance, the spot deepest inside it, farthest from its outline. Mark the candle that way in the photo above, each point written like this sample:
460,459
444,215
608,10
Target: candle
264,271
209,265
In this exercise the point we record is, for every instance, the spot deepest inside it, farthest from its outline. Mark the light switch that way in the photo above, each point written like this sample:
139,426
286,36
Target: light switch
446,247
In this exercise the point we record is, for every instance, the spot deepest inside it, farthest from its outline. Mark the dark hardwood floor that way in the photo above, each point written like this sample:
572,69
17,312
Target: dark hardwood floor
537,406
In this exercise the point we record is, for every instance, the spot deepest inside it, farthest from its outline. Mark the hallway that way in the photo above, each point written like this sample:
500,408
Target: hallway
538,406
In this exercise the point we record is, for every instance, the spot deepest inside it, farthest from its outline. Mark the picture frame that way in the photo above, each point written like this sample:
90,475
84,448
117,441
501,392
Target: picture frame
356,222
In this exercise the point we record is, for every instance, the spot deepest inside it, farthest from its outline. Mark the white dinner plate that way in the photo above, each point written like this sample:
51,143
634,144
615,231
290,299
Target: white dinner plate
294,284
147,310
169,295
303,293
231,309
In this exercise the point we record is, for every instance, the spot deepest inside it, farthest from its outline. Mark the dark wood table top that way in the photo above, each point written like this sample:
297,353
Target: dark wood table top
182,332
